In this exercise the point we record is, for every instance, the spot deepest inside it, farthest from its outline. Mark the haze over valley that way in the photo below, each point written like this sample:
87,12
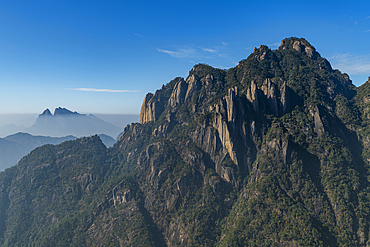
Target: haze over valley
18,140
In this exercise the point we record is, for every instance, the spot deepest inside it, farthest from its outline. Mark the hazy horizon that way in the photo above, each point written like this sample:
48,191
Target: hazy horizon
28,119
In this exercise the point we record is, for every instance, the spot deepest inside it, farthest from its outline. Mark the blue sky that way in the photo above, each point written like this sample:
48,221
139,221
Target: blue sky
104,56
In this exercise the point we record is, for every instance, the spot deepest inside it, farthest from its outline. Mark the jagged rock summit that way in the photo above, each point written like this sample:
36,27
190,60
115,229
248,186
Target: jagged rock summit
236,99
300,45
58,111
64,111
272,152
270,84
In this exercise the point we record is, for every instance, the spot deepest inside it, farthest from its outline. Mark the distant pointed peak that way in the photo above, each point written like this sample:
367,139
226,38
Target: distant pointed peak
46,113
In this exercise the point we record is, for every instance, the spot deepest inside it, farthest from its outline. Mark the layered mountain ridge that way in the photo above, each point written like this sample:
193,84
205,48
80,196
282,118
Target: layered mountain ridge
272,152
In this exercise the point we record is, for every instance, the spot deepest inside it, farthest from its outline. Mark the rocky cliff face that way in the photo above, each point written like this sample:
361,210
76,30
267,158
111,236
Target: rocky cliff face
273,152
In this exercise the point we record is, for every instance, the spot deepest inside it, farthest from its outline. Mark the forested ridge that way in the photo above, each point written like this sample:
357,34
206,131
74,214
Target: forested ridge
272,152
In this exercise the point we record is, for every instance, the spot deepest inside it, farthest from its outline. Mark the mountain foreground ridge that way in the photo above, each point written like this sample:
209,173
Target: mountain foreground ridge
272,152
14,147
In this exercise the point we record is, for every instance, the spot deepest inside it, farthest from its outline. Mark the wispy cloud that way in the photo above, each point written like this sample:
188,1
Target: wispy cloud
209,50
192,52
103,90
351,64
217,55
367,31
188,52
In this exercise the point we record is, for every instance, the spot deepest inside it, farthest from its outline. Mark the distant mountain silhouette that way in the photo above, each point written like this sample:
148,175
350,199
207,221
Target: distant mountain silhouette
52,129
10,129
65,122
14,147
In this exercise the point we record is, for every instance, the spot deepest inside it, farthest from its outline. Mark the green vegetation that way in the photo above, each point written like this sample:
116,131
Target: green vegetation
285,163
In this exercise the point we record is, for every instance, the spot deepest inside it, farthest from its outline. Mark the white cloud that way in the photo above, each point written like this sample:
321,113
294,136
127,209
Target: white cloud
181,53
192,52
209,50
212,55
351,64
103,90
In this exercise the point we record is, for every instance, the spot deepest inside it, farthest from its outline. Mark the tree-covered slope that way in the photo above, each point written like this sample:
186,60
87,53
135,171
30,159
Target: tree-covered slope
273,152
